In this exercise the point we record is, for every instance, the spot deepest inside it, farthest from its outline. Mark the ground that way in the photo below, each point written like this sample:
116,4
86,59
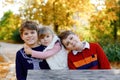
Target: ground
7,60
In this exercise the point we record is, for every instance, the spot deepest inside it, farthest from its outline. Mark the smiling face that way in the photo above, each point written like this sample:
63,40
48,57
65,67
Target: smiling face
47,39
72,42
30,37
45,35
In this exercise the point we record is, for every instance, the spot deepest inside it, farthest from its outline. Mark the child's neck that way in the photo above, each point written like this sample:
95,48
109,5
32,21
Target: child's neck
81,47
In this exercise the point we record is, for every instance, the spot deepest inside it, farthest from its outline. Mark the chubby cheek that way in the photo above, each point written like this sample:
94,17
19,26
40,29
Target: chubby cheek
42,41
36,40
22,37
36,37
69,48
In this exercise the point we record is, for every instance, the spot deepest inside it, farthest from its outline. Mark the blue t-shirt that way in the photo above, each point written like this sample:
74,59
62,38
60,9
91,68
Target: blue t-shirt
25,62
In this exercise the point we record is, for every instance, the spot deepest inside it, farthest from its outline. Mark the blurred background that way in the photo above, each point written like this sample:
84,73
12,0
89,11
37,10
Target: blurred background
93,20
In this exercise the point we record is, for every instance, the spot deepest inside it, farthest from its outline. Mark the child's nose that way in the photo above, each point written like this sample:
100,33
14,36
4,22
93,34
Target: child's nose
71,42
45,38
29,34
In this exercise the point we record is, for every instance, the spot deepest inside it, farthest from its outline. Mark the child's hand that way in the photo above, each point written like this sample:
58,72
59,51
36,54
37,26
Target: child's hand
27,49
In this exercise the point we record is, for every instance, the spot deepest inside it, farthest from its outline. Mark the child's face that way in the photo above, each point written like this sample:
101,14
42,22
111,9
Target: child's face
30,37
72,42
46,40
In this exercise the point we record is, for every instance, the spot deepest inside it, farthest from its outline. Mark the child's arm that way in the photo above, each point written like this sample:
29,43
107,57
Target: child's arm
102,58
43,55
27,49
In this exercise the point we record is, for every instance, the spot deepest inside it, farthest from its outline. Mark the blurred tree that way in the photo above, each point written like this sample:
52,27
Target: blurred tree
105,22
61,14
115,23
8,23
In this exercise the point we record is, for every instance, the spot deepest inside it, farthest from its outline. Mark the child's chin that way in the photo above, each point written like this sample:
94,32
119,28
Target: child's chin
31,43
46,45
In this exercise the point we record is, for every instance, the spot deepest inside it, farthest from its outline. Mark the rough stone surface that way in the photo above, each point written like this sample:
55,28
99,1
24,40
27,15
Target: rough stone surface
74,74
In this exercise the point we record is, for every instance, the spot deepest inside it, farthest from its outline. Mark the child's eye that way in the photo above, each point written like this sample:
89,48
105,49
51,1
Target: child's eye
71,38
47,36
25,33
32,32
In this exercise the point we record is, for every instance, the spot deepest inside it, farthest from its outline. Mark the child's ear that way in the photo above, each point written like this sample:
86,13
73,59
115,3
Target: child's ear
21,36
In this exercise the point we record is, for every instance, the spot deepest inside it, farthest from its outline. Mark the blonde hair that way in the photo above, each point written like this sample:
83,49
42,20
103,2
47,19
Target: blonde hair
43,31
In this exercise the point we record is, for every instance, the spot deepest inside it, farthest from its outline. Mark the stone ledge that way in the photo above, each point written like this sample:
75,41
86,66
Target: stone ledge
112,74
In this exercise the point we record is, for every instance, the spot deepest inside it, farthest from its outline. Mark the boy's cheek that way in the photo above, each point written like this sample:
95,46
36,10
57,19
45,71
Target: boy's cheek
22,37
68,49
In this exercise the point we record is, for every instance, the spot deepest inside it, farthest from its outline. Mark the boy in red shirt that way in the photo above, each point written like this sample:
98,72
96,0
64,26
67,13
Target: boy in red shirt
83,55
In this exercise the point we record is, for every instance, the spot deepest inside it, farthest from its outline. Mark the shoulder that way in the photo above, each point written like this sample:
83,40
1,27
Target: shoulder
95,46
20,50
55,39
70,53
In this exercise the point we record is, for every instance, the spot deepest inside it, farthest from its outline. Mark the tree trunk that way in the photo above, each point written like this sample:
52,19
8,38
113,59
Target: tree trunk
115,31
56,28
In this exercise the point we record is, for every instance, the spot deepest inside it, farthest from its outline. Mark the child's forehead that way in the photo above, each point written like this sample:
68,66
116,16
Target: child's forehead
46,34
26,29
70,35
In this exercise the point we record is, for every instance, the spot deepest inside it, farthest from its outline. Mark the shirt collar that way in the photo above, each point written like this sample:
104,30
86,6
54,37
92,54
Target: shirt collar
87,45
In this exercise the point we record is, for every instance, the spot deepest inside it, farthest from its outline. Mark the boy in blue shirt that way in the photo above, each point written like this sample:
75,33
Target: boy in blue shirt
29,34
